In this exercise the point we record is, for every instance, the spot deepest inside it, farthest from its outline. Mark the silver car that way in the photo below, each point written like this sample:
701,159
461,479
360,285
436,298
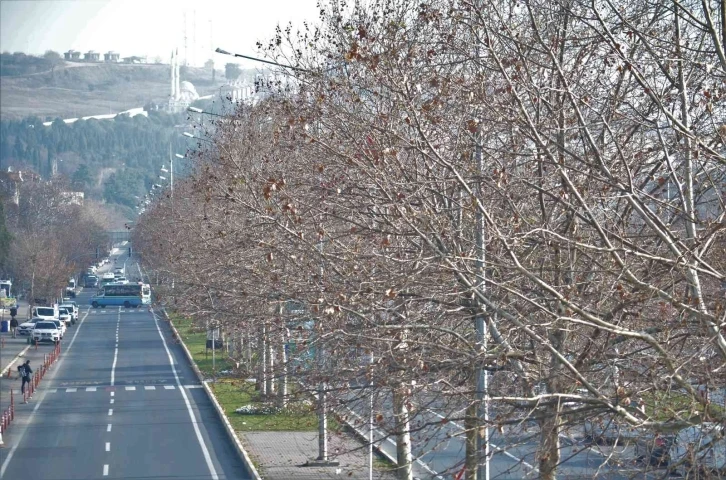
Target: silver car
26,328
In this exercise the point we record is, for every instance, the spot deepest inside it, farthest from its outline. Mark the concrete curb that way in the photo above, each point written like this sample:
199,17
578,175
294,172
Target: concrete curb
22,352
220,412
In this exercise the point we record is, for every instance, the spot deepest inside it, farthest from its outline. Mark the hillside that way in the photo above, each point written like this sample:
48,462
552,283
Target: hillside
78,89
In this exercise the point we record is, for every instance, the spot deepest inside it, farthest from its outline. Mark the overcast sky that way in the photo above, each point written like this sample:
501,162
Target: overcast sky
147,27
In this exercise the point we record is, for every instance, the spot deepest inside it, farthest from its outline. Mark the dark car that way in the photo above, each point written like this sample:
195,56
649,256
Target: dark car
654,451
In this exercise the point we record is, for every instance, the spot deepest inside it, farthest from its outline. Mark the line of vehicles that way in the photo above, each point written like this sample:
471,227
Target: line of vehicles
49,323
114,289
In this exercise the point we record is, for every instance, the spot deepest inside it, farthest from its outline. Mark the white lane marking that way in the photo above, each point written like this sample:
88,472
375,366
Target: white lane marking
105,470
90,389
115,354
130,388
71,390
112,400
110,412
193,386
515,458
52,390
169,387
112,394
149,387
40,402
108,446
210,465
108,428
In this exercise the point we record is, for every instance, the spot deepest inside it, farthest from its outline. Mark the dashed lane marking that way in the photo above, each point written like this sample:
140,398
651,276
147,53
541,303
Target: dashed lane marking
127,388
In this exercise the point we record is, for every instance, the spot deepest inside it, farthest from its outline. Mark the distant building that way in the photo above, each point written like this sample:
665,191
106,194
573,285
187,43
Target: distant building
134,59
73,198
111,57
10,181
92,56
73,55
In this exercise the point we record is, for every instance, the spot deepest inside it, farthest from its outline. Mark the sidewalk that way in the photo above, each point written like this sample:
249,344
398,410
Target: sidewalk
281,455
9,349
13,352
22,312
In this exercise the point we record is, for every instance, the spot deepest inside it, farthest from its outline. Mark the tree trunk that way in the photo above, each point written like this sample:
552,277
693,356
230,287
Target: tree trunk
262,361
248,348
270,348
549,454
282,379
403,436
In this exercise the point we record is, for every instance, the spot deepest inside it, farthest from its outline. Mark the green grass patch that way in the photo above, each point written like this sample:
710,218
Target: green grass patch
671,405
196,342
233,394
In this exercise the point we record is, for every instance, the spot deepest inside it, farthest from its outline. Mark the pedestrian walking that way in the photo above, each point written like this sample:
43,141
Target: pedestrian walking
25,374
13,325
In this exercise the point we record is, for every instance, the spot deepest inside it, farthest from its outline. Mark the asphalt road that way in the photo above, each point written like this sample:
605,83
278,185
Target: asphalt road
121,403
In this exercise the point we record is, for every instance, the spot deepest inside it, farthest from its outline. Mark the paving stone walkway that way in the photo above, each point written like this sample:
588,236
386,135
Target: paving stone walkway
281,455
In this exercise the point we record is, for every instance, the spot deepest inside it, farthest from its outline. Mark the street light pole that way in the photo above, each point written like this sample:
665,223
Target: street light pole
482,384
214,350
370,429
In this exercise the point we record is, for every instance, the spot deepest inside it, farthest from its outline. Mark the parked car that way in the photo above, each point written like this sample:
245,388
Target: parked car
26,328
46,332
47,313
654,450
61,327
65,316
72,309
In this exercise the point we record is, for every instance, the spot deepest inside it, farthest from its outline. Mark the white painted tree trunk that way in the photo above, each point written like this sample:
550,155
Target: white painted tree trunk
262,361
404,457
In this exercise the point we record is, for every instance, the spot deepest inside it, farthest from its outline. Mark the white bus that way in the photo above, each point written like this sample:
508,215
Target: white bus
128,295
